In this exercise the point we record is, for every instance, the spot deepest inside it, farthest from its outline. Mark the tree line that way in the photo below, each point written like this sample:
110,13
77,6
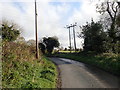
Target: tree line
104,35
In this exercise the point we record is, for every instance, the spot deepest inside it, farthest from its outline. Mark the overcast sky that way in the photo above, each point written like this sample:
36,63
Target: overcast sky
53,16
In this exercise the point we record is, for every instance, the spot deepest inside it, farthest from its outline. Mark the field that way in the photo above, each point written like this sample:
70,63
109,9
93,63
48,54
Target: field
67,51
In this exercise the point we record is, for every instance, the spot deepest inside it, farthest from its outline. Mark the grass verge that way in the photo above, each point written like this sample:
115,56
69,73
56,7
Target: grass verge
108,62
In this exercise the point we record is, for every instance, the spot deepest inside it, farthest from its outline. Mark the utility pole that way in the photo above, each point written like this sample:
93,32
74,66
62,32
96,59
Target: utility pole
36,34
74,34
68,27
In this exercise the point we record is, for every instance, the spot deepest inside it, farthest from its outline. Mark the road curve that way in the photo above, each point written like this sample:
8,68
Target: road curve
79,75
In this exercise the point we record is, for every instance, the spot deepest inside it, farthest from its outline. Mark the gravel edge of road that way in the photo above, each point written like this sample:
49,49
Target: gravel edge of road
59,80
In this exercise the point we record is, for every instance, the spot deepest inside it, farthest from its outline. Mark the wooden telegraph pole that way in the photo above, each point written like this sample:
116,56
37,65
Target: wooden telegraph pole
68,27
74,35
69,36
36,33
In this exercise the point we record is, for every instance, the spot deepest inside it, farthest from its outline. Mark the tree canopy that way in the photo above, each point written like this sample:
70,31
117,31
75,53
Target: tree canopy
9,32
49,43
94,36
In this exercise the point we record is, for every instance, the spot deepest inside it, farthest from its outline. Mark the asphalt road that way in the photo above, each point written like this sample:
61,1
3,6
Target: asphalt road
79,75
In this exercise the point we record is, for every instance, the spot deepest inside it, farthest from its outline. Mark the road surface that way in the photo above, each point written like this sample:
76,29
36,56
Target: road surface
79,75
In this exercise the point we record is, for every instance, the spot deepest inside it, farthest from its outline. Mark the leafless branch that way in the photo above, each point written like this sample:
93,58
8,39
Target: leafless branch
108,10
113,7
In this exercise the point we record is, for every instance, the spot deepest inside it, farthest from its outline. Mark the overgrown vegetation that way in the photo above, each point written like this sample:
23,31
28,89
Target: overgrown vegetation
106,61
20,68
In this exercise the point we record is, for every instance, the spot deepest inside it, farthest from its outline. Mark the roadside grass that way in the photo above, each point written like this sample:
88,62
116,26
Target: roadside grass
108,61
20,69
67,51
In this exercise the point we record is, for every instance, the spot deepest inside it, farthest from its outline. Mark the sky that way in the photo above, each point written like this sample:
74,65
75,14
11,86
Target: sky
53,16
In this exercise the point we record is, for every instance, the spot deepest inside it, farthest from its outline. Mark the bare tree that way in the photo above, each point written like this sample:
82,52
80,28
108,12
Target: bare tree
110,11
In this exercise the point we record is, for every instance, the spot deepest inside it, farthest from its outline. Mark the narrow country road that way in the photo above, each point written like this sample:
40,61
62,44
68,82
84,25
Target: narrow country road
79,75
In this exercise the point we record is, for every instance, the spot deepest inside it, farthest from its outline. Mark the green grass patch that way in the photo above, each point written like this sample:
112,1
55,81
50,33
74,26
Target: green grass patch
29,74
107,61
